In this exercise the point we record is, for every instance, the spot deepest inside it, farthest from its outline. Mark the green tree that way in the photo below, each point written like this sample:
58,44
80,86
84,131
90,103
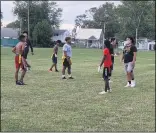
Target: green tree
42,33
15,24
39,11
97,17
135,14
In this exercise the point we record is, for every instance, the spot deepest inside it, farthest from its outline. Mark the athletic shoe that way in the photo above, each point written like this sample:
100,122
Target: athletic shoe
103,92
63,77
133,84
19,83
22,83
110,90
128,85
71,78
110,81
56,71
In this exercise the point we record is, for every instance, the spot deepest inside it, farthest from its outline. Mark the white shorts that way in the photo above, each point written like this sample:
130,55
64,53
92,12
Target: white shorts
129,67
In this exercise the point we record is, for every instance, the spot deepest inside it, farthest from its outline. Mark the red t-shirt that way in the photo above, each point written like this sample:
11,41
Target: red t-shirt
107,61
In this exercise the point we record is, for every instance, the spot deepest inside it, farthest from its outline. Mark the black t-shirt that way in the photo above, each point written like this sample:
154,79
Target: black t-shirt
128,53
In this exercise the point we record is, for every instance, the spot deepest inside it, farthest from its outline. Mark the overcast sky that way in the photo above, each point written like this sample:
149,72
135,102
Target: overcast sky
70,10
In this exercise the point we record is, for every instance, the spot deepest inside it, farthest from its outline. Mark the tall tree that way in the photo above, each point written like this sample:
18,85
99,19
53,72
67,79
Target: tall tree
15,24
98,17
42,39
132,15
39,10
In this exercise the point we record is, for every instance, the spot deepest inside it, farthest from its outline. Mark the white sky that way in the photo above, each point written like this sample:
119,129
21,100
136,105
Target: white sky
70,10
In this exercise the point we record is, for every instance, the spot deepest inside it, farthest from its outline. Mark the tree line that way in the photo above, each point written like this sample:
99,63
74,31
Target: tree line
120,21
44,17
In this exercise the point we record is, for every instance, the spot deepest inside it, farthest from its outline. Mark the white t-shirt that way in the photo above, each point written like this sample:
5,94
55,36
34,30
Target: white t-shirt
67,48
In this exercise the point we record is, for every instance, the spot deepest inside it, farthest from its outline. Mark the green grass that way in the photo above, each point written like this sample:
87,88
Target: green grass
48,103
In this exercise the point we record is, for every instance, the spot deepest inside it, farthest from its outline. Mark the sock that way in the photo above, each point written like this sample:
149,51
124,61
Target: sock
129,82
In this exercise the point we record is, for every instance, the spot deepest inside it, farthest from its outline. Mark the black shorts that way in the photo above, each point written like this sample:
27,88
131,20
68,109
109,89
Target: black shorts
111,67
106,72
25,53
54,59
66,63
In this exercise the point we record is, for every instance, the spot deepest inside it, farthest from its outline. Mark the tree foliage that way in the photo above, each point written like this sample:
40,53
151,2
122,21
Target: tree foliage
42,33
38,11
14,25
122,20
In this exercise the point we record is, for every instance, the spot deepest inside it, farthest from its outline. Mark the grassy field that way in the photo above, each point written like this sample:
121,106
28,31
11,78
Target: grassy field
48,103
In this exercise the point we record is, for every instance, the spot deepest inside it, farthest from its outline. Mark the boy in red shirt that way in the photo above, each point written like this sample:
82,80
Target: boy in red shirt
106,60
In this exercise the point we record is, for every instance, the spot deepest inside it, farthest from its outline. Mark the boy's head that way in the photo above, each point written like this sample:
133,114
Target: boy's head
22,38
58,42
68,40
107,44
131,40
25,33
113,41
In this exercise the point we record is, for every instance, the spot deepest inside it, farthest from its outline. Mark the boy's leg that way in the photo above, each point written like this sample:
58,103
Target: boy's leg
16,75
69,72
52,67
23,75
106,78
63,72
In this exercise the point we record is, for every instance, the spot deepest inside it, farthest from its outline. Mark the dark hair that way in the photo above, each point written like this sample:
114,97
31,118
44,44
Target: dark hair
25,32
107,44
58,41
21,37
67,38
132,39
112,39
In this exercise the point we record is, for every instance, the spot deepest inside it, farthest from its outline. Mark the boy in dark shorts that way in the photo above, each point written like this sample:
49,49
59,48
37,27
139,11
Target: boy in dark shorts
67,55
107,66
54,57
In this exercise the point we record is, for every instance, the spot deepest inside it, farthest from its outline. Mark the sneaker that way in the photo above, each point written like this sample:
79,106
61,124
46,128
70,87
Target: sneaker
19,83
128,85
110,81
22,83
133,84
110,90
103,92
71,78
63,77
56,71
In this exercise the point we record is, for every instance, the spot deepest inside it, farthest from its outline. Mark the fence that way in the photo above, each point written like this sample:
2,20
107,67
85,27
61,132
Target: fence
9,42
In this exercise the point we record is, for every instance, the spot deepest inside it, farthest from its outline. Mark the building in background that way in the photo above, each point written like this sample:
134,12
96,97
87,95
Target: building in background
9,37
142,44
60,35
90,38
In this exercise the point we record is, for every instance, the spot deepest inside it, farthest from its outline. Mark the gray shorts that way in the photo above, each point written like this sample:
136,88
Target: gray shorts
129,67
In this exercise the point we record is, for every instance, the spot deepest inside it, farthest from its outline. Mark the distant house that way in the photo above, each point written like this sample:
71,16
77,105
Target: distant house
145,44
9,36
90,37
142,44
60,35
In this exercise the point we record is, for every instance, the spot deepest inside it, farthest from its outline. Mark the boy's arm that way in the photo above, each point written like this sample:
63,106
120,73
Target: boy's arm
13,50
134,55
102,61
